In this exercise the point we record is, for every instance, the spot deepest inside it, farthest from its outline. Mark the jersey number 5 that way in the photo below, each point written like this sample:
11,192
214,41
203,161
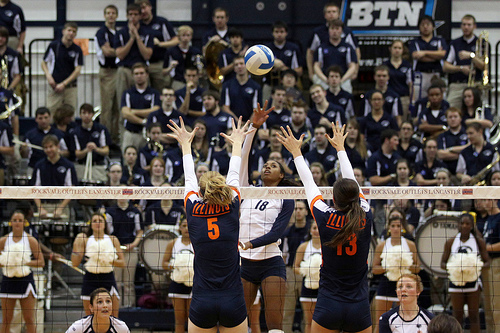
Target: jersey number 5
213,228
351,247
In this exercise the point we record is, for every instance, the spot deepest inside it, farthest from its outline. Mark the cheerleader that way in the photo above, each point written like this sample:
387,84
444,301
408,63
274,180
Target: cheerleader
386,292
179,291
102,252
213,218
19,252
470,293
408,317
100,319
345,232
305,253
263,223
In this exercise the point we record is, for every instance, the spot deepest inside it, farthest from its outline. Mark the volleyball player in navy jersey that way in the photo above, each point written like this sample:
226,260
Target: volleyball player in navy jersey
342,303
213,220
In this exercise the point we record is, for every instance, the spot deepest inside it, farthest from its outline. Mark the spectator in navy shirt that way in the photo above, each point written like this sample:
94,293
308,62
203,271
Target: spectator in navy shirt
35,137
153,148
381,166
12,17
376,121
62,64
458,61
432,120
453,141
335,52
331,12
106,55
392,104
471,101
163,35
188,99
217,121
134,44
427,52
180,57
335,94
400,75
286,55
163,116
477,156
408,147
226,58
91,137
324,112
300,124
323,152
53,170
241,94
137,104
133,174
279,116
218,34
429,165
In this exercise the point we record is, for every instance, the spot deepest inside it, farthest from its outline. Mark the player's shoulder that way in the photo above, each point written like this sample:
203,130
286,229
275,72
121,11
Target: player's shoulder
119,325
80,325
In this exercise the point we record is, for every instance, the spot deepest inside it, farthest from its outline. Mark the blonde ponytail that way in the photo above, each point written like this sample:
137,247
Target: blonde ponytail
214,189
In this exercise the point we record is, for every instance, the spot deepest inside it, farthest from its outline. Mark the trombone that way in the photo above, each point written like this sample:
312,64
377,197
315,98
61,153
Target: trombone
482,53
5,84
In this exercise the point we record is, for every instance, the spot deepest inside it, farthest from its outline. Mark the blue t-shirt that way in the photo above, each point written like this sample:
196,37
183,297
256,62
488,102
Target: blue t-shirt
61,60
134,55
435,44
457,45
241,99
185,58
333,113
341,54
124,223
105,35
343,99
162,29
399,77
97,134
135,99
12,17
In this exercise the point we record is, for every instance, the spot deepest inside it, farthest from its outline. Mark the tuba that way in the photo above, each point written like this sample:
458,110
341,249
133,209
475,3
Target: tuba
5,84
212,53
478,179
482,52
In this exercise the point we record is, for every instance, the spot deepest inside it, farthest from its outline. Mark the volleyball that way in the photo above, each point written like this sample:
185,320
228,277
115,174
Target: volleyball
259,59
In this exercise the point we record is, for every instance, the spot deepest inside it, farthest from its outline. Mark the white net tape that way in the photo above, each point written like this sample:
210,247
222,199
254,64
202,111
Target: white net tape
379,192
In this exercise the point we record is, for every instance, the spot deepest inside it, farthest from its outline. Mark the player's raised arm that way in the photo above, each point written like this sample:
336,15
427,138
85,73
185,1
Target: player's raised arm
237,137
185,138
259,117
294,145
337,141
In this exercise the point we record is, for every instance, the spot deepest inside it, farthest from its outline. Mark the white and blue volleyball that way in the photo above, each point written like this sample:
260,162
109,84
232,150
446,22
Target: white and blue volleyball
259,59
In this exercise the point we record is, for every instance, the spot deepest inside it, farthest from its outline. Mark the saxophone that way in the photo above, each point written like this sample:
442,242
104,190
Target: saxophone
5,84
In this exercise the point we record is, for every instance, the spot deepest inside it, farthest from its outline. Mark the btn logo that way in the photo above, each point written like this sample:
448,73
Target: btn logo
467,191
384,13
127,191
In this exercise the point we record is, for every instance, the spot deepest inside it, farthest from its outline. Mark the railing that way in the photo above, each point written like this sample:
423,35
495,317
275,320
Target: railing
88,81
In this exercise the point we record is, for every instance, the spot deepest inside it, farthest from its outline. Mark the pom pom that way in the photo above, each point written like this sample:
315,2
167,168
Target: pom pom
396,262
101,254
310,269
183,271
15,259
464,267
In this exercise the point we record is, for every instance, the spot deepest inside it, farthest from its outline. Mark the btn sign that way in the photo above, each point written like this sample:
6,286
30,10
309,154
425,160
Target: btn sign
375,17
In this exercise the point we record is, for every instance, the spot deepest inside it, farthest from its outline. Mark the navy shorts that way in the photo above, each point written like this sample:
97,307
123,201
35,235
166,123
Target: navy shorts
308,295
93,281
208,310
257,271
336,315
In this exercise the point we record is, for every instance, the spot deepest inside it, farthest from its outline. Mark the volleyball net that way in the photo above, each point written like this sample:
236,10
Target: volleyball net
58,283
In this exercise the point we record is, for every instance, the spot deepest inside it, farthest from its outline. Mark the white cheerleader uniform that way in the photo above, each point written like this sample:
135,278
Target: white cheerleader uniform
386,290
470,246
307,294
176,289
14,286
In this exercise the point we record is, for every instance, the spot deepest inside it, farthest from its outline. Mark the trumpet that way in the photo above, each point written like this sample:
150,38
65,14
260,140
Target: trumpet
155,145
482,53
5,84
97,112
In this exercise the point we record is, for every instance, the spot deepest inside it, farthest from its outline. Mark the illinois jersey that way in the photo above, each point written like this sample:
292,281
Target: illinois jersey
213,230
344,269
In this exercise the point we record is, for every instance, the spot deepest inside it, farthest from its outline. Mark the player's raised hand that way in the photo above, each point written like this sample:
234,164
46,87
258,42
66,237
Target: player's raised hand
180,133
260,115
240,131
339,135
288,140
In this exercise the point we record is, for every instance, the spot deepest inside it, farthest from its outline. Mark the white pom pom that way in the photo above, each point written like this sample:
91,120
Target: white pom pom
396,262
15,259
101,254
463,268
183,268
310,269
